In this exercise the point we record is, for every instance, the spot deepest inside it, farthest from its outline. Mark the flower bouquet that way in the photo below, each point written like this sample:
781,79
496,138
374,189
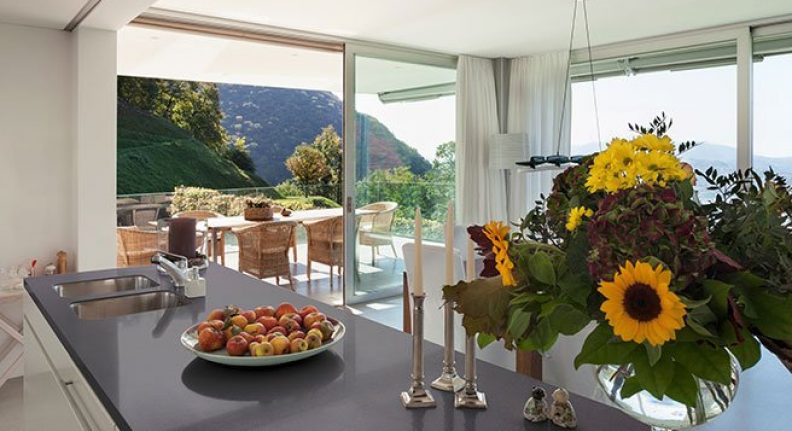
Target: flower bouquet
681,293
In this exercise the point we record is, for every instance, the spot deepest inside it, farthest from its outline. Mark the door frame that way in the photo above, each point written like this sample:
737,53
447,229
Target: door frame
351,52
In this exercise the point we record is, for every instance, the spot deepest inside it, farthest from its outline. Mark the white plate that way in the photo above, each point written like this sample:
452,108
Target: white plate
189,340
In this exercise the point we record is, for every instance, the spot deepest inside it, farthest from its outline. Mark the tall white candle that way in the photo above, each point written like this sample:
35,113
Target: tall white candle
471,261
449,246
418,288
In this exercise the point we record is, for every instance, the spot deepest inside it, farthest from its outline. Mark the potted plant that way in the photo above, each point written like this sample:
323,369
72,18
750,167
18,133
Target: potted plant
681,294
258,209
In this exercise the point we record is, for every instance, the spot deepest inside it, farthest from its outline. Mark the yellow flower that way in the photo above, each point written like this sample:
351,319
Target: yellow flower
652,142
496,232
575,217
639,306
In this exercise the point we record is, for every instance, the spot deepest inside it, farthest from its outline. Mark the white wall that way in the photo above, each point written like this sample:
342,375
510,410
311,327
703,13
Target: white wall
36,130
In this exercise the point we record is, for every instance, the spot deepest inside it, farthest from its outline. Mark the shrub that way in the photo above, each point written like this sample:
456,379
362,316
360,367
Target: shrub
198,198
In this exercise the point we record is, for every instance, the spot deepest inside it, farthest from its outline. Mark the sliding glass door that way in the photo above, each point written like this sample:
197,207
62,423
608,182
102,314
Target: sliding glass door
399,154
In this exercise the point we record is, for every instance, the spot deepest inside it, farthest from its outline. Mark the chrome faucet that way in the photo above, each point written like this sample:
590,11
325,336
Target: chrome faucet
179,272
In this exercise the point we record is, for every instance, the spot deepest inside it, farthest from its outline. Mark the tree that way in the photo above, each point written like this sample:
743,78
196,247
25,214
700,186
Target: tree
329,144
308,166
239,153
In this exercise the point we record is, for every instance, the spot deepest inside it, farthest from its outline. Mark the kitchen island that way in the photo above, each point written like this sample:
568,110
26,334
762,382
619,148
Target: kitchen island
146,381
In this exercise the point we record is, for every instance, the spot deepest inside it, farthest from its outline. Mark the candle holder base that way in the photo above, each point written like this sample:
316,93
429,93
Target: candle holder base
474,399
417,399
448,382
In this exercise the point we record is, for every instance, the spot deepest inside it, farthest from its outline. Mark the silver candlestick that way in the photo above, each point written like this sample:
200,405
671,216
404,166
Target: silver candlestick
469,396
449,380
417,396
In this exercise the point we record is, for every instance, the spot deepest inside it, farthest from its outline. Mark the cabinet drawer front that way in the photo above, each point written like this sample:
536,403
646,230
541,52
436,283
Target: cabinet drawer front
72,382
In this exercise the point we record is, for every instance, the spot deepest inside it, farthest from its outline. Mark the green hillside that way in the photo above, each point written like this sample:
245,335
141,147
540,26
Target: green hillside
155,156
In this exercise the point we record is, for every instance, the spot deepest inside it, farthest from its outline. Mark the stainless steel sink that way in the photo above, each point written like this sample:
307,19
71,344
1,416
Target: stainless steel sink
103,308
81,289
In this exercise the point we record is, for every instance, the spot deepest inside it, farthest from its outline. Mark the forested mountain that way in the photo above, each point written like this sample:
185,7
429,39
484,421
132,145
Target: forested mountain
275,120
155,156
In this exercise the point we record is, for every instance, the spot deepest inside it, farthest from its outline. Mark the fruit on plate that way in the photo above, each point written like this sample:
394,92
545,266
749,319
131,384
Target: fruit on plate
264,330
264,311
232,331
327,329
255,328
280,345
310,319
313,340
308,309
269,322
296,334
237,346
211,339
298,345
239,320
216,324
250,315
263,349
284,308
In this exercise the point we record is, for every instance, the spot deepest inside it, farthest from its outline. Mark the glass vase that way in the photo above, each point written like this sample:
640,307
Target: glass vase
667,414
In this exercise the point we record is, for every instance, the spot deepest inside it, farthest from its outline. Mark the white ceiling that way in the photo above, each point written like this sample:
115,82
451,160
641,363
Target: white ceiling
480,27
40,13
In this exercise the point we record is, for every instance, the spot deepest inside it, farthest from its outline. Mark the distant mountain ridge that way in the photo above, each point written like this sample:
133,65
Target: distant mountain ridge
275,120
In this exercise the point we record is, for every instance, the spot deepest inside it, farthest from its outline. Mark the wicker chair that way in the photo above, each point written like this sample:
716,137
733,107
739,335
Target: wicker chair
264,250
375,228
135,247
202,215
326,243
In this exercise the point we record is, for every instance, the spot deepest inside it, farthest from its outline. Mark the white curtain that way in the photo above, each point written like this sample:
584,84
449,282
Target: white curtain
536,93
480,191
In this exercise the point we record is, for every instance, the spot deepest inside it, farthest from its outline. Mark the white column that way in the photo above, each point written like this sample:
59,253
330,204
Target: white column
744,99
94,54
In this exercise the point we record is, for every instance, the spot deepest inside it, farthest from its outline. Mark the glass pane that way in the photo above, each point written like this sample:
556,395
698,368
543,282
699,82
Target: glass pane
405,119
701,102
772,111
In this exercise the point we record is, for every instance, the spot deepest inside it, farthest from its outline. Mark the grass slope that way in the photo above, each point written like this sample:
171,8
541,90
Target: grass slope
155,156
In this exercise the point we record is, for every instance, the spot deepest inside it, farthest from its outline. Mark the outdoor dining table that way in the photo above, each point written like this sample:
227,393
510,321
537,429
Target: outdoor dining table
216,226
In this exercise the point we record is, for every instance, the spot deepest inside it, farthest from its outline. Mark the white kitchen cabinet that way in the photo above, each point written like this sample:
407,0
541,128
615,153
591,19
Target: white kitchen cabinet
56,395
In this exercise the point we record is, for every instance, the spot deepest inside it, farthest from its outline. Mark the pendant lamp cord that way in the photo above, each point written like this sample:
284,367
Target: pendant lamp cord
567,84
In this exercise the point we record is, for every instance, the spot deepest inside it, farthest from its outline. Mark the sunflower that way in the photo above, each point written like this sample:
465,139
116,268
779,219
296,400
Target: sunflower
575,217
496,232
639,305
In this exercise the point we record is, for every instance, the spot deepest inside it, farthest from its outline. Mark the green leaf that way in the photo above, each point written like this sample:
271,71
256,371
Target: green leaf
770,312
569,320
541,338
698,328
484,340
518,322
694,303
653,353
575,287
601,348
631,387
704,361
654,378
683,387
719,291
748,352
541,268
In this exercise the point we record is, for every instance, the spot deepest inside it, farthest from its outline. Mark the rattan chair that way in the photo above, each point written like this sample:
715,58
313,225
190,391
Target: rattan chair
375,228
326,243
202,215
264,250
135,247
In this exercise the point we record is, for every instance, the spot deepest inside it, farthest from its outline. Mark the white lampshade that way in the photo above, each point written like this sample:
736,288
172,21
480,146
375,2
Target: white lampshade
506,149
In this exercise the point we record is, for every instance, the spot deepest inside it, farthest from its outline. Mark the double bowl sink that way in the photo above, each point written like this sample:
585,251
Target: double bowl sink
118,296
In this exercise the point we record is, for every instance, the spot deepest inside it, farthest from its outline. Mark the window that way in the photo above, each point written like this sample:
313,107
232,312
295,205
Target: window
701,102
772,113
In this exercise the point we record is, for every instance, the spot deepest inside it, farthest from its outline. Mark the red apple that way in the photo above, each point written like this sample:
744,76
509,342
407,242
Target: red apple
312,318
239,320
216,314
284,308
237,346
260,338
250,315
292,316
210,339
249,338
280,329
296,334
269,322
264,311
216,324
308,309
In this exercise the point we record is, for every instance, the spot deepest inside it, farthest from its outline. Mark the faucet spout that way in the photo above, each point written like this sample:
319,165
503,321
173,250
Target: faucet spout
178,272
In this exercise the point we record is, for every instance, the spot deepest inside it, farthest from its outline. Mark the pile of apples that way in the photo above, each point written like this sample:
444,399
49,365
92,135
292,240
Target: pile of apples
265,330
